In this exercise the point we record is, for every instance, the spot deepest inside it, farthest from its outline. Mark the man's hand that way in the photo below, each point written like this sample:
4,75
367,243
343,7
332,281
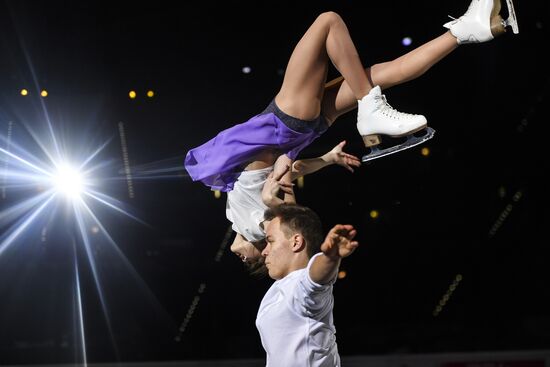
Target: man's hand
338,156
338,244
339,241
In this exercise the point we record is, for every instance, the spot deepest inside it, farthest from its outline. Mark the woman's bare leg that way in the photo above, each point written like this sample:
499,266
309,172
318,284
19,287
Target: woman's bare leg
303,87
339,99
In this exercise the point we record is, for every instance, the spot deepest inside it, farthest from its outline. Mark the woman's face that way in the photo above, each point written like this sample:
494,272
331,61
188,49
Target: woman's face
249,252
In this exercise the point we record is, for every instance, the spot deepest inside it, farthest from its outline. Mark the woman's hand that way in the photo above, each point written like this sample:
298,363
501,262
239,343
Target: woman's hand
338,156
275,187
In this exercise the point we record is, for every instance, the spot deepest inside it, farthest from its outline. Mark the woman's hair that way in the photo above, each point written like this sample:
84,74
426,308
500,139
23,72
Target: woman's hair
299,219
257,268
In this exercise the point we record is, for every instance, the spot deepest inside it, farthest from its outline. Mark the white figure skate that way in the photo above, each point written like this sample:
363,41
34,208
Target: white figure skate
482,22
376,117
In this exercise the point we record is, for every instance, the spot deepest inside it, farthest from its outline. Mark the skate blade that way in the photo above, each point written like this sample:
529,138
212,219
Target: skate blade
411,142
512,21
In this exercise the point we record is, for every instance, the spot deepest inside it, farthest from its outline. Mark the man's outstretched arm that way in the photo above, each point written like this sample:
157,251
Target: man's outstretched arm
338,244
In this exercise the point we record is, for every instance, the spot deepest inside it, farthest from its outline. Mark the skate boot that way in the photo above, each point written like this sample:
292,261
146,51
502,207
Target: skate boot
482,22
376,117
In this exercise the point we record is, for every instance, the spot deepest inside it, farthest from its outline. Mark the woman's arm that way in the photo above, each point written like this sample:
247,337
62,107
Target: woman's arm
304,167
277,188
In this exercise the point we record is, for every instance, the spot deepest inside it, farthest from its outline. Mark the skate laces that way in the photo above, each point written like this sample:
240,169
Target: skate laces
387,110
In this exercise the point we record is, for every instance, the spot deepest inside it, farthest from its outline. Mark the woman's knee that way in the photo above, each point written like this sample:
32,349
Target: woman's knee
330,18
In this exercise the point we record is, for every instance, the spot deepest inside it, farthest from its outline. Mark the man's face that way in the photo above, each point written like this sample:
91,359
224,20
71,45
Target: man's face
278,251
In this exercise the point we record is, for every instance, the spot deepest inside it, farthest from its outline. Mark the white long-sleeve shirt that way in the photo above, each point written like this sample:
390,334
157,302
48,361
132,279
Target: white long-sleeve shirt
296,324
245,207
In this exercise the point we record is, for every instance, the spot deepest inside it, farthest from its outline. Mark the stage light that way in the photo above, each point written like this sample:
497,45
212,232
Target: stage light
447,296
55,180
425,151
247,69
301,182
406,41
217,194
24,92
44,93
374,214
132,94
150,94
342,274
69,182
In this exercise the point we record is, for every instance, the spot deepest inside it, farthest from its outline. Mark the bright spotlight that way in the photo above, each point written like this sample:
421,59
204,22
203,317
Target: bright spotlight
406,41
68,181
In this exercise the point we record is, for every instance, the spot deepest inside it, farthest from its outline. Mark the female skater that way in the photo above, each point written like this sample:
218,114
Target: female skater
306,105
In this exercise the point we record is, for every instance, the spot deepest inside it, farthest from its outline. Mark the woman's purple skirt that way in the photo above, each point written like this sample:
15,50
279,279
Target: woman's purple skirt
218,162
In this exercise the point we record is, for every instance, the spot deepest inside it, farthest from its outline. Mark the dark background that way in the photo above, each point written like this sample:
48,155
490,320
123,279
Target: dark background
476,207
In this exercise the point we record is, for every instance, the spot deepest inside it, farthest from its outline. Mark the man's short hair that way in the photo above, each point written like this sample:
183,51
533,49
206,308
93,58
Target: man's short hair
299,219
